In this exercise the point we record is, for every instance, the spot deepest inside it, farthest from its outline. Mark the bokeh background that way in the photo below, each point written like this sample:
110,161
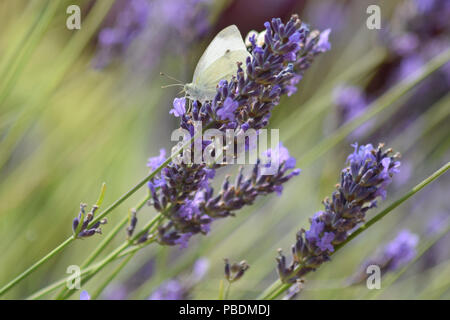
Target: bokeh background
82,107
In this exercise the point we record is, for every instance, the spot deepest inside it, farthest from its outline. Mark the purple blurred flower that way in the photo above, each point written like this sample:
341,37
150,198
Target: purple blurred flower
130,20
409,66
437,223
169,290
323,44
185,13
199,269
291,87
391,257
84,295
179,288
406,44
351,103
401,250
425,5
329,14
351,100
160,25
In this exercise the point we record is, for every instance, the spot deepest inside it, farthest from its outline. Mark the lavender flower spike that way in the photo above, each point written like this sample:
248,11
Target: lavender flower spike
194,205
369,172
82,231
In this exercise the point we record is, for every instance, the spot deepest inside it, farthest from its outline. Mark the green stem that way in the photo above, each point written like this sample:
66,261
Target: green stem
221,290
112,276
25,48
227,291
31,269
91,271
277,288
57,284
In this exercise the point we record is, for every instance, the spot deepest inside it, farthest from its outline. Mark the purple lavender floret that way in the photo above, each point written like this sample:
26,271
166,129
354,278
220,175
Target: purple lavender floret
153,163
226,112
394,255
179,107
366,178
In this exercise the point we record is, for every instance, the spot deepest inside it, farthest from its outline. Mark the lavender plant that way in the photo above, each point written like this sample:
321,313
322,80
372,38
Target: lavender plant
181,192
369,172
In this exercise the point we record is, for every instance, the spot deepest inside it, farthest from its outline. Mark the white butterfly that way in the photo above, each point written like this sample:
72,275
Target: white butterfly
218,62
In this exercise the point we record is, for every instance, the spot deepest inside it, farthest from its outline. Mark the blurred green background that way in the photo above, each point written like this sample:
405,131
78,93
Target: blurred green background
67,125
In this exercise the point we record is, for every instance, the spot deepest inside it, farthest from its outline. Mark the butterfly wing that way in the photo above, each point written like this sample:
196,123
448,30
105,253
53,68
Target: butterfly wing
225,42
222,69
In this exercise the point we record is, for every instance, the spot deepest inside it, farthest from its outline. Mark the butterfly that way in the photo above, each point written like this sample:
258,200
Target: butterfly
217,63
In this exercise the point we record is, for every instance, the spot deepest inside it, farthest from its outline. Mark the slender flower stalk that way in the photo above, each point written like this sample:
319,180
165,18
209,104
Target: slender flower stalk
233,272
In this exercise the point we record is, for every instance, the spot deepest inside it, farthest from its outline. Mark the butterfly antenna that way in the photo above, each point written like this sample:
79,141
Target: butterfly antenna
170,77
172,85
